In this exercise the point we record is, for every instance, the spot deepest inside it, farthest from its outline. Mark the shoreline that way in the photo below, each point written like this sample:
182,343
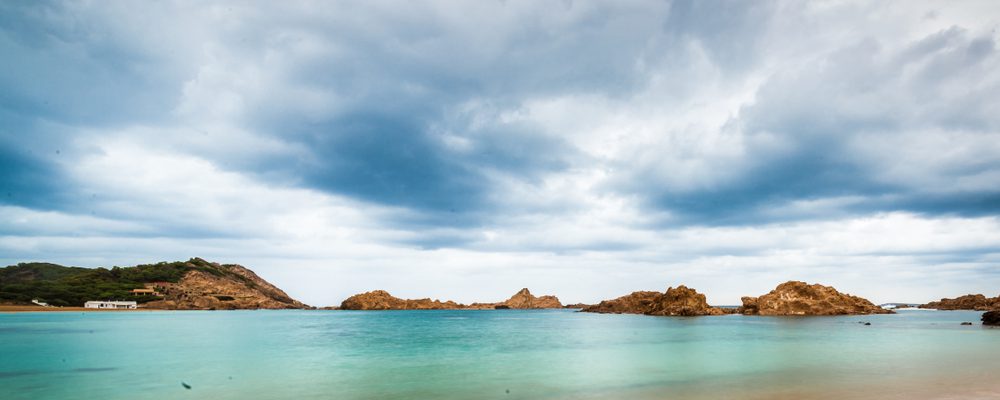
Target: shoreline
6,308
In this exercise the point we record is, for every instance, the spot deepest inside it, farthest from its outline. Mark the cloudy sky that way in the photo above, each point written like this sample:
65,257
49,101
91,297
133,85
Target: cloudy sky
463,150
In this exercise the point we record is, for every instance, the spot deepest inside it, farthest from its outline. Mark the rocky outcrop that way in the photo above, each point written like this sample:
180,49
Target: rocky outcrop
577,305
212,286
382,300
991,318
968,302
800,298
523,299
679,301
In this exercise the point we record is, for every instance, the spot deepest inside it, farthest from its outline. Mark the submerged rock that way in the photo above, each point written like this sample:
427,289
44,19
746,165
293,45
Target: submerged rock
800,298
967,302
679,301
991,318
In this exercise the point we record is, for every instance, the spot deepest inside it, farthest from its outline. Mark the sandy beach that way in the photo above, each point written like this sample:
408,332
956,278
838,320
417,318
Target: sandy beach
7,308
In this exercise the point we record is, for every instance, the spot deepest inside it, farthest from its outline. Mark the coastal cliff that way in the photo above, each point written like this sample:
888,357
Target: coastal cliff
195,284
679,301
800,298
213,286
968,302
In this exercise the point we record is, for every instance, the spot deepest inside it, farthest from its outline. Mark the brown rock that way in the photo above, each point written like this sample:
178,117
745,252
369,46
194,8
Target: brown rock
800,298
679,301
991,318
523,299
968,302
212,286
576,305
382,300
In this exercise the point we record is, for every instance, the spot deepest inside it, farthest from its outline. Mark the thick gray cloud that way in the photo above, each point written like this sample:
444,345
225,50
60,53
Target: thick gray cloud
665,137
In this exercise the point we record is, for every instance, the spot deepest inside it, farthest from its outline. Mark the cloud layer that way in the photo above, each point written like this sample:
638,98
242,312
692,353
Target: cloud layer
467,150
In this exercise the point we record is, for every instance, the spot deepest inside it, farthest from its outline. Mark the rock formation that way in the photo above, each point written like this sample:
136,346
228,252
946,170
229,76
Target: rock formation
679,301
212,286
991,318
968,302
577,305
523,299
382,300
800,298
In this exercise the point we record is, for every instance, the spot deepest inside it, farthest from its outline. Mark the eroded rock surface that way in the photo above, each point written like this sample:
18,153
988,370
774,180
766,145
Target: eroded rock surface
382,300
213,286
679,301
800,298
967,302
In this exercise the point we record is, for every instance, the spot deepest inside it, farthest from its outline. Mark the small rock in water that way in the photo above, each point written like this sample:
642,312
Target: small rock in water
867,323
186,386
966,323
508,391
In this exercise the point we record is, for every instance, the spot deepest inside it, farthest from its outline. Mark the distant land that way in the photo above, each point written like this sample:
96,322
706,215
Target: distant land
197,284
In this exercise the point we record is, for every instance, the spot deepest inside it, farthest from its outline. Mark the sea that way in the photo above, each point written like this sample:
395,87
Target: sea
494,354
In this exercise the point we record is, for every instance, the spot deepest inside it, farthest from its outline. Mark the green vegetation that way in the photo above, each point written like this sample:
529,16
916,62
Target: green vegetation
73,286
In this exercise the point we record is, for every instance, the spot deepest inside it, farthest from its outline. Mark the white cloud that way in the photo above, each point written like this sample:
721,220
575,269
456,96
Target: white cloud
584,125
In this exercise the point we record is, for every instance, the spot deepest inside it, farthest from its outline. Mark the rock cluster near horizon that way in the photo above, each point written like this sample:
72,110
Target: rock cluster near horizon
976,302
679,301
522,300
382,300
800,298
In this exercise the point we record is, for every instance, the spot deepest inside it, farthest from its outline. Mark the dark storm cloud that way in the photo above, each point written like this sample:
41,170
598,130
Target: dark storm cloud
419,98
836,127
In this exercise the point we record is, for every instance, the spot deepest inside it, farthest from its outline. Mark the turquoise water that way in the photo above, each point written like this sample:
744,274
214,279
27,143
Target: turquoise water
509,354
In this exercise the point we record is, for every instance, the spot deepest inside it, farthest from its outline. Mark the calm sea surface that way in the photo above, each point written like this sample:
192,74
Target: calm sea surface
503,354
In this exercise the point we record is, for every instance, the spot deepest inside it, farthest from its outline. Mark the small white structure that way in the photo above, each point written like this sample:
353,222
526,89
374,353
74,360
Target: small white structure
118,305
41,303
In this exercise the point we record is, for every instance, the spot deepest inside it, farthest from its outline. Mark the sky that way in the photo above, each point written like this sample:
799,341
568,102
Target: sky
464,150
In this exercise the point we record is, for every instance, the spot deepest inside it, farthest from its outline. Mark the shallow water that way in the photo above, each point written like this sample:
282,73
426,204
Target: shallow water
508,354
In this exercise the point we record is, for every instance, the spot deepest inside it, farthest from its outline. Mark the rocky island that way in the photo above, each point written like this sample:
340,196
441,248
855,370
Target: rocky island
800,298
382,300
522,300
195,284
976,302
679,301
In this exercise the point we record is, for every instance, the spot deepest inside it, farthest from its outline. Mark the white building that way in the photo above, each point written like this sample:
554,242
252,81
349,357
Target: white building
118,305
41,303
